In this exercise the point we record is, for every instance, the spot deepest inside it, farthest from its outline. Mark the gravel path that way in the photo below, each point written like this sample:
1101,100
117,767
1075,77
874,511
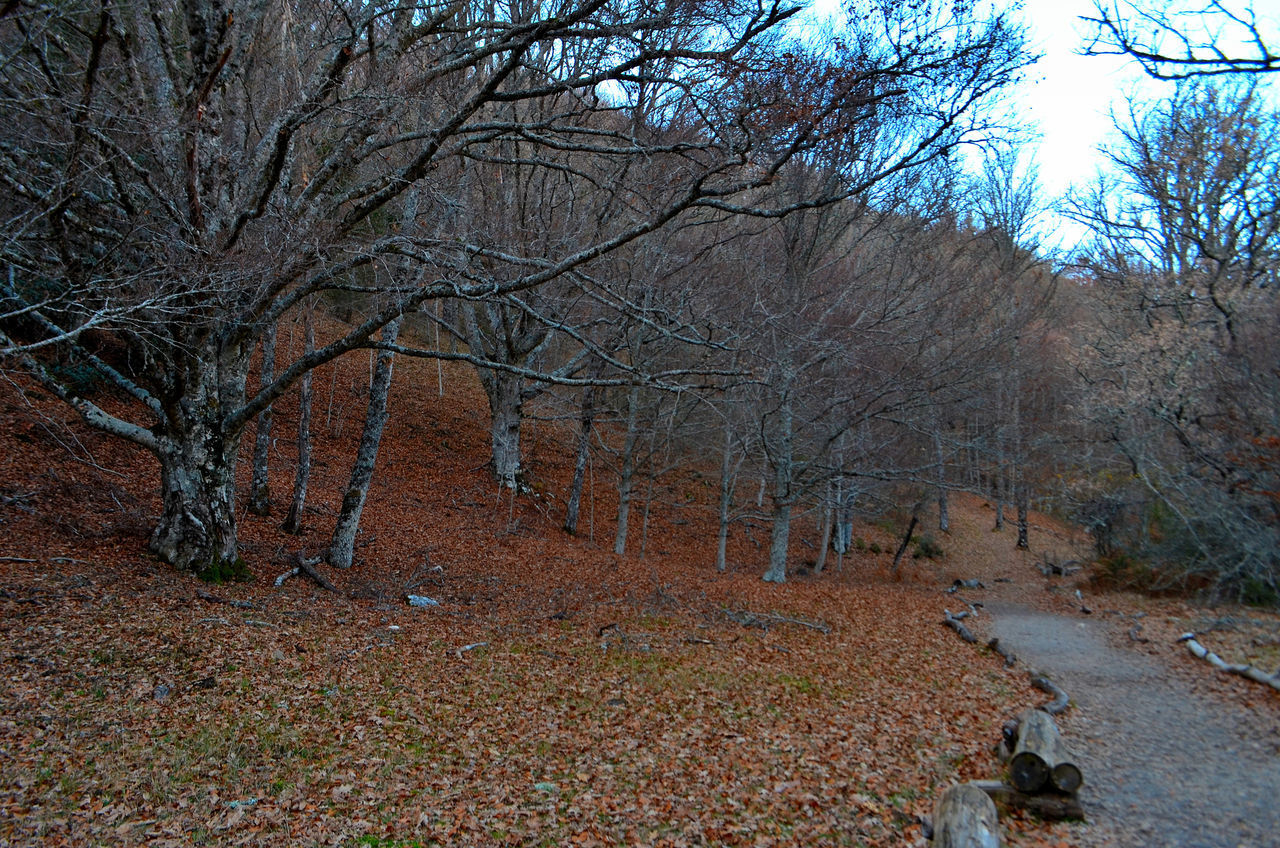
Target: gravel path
1163,765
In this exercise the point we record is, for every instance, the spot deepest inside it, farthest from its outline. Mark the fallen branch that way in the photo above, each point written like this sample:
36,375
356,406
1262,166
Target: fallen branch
955,624
470,647
1009,658
232,602
765,620
307,567
1252,672
1060,699
279,581
17,559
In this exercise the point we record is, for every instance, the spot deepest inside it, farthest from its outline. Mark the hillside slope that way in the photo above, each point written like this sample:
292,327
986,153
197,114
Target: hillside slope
558,694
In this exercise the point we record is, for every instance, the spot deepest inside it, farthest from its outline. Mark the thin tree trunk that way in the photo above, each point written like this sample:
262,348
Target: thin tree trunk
726,498
1024,507
906,538
293,521
944,520
828,519
585,424
627,472
342,546
783,467
259,485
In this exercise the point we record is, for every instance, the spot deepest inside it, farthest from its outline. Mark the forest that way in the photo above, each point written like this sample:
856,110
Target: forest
383,378
804,256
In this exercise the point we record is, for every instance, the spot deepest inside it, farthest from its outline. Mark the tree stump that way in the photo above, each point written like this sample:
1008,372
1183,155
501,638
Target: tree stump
965,818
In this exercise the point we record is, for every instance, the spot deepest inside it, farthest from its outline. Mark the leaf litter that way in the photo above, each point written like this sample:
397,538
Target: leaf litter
553,693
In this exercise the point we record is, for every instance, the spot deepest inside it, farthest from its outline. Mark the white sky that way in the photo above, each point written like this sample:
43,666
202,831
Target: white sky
1070,97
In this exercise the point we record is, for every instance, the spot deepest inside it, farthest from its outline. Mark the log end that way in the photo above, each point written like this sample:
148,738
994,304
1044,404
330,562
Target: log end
1028,772
1067,777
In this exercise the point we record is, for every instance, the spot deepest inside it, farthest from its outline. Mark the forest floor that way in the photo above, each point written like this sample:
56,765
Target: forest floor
558,694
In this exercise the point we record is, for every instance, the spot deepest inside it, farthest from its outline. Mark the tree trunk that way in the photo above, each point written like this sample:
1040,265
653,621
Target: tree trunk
1024,507
197,455
626,476
506,409
782,458
828,520
259,486
585,424
342,546
906,538
726,499
965,817
778,542
293,521
197,529
944,520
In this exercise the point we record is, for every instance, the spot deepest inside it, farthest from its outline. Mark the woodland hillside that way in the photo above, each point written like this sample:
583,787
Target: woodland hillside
559,693
401,397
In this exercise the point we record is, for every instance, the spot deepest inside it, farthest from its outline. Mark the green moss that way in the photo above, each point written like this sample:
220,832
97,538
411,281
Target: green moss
222,570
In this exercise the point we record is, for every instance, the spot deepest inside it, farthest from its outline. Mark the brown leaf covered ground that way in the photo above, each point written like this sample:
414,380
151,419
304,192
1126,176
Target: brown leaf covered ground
559,695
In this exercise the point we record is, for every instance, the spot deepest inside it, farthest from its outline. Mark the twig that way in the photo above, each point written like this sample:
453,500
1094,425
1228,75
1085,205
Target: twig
17,559
470,647
214,599
764,620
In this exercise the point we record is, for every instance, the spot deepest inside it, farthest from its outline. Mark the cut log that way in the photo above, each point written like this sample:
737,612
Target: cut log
1052,807
965,818
1040,759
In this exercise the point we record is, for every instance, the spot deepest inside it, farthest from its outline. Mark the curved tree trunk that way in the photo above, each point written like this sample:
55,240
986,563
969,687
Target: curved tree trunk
342,546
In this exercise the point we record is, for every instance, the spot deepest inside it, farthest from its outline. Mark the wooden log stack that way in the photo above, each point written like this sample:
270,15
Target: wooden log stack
1040,759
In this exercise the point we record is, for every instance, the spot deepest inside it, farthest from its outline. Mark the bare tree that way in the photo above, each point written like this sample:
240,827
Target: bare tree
181,195
1185,265
1180,40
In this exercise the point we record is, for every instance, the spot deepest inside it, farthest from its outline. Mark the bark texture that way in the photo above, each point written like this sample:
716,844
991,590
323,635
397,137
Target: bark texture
342,545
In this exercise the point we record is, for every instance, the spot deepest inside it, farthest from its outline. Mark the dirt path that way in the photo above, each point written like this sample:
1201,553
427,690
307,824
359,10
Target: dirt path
1163,765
